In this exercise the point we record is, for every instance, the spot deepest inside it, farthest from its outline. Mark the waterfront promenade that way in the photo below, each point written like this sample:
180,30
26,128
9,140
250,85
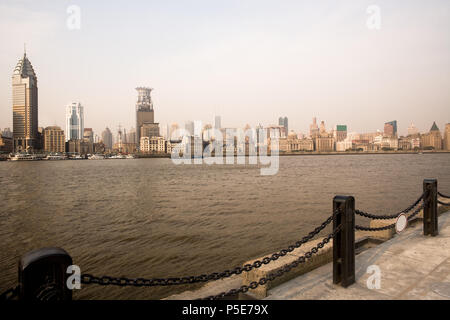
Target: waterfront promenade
412,266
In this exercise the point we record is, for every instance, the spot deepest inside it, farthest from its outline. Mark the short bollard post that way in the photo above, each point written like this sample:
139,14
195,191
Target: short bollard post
344,241
430,213
43,277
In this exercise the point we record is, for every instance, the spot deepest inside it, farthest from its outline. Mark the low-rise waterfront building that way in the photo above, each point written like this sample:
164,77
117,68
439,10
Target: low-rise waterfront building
153,145
432,139
447,137
6,144
54,139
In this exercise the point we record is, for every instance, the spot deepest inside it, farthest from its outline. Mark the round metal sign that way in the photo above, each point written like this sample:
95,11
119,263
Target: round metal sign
401,223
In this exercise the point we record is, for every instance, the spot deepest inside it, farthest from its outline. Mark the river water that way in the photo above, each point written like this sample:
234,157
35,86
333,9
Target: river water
151,218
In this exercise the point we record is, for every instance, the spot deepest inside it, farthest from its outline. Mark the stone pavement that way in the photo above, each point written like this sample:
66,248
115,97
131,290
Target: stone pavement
412,266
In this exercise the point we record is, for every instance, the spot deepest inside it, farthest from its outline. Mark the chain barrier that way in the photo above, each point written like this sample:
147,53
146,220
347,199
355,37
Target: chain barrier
392,216
285,269
443,203
443,195
9,294
142,282
390,226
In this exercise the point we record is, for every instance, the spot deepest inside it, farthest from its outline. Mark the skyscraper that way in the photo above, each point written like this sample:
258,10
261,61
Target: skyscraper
25,106
390,128
144,110
74,121
107,138
314,128
284,122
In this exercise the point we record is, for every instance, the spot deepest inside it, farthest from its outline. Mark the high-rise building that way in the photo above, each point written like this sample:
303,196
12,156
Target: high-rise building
217,122
390,128
74,121
144,110
284,122
107,138
447,137
25,106
149,130
54,139
314,129
340,133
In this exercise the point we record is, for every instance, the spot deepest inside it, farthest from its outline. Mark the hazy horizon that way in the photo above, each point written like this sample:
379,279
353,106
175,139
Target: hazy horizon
247,61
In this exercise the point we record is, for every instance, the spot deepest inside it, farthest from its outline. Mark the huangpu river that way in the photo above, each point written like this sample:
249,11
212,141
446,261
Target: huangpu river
152,218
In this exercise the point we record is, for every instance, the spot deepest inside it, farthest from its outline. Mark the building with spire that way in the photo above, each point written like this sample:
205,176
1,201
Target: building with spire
25,107
432,139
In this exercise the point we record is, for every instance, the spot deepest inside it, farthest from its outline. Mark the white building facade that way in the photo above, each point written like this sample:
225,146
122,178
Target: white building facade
74,121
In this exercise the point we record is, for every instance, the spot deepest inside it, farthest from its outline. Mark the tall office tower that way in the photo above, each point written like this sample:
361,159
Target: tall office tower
217,122
284,122
144,110
390,128
107,138
25,106
131,137
74,121
314,128
189,127
340,132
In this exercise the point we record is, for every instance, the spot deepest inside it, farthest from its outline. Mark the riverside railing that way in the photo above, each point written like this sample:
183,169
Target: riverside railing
44,273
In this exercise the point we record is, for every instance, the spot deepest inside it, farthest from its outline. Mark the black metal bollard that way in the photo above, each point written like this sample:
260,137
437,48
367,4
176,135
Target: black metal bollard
43,277
430,213
344,241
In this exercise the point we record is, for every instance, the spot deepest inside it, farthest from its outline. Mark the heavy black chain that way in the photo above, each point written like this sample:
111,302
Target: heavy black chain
390,226
443,203
142,282
443,195
9,294
392,216
279,273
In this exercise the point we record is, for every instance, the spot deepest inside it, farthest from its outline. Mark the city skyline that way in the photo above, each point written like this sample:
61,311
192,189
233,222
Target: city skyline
353,84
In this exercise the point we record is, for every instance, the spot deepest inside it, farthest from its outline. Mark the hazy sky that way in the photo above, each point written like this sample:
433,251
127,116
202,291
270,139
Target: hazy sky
249,61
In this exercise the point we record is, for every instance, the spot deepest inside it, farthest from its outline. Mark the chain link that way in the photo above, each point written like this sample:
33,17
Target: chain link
443,195
392,216
390,226
141,282
283,270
